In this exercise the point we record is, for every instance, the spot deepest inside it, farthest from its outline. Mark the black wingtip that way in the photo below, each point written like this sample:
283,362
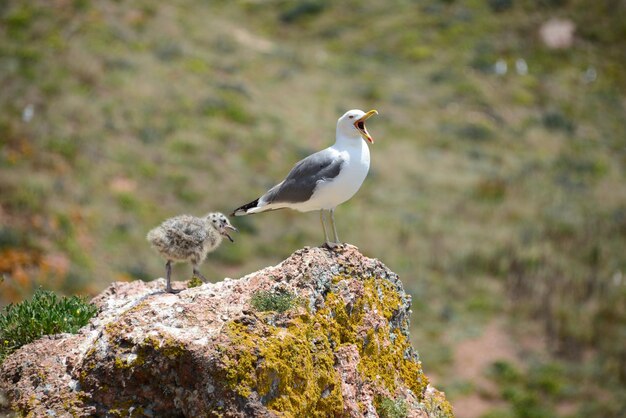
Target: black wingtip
243,209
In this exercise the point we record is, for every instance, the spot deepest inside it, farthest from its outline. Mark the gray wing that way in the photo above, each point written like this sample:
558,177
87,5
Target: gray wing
304,177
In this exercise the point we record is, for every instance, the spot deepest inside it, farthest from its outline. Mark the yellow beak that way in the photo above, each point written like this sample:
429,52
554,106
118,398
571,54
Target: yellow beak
360,125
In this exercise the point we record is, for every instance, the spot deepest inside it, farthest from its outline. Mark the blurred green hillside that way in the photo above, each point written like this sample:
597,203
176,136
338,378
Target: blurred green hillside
497,189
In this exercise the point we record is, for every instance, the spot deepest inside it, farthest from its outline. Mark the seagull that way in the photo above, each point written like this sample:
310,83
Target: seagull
326,179
188,238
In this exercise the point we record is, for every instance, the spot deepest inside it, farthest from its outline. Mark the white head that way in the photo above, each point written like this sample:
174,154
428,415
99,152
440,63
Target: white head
221,224
352,124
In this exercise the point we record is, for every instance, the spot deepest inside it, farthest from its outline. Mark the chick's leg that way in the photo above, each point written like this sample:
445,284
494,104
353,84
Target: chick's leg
168,272
197,273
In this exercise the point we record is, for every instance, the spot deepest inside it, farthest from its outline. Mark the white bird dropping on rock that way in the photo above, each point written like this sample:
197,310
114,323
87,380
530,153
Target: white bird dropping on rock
186,238
326,179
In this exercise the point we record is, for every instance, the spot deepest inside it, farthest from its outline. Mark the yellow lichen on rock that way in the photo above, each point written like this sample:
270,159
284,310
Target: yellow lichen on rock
383,296
239,370
344,323
291,366
436,404
343,350
384,362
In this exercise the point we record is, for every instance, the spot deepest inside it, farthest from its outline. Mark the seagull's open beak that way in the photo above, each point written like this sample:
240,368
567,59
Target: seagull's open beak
224,233
360,125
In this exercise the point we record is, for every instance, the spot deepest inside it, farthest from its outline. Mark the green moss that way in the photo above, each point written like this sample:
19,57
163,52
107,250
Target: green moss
388,408
194,282
291,367
279,301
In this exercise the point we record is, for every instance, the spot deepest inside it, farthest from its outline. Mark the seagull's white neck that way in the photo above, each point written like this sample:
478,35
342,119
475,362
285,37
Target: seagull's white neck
355,149
344,141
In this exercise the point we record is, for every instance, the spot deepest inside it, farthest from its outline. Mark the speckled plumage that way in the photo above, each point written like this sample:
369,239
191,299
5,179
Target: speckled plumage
187,238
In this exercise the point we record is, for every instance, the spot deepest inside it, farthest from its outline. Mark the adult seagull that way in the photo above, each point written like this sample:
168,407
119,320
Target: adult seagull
326,179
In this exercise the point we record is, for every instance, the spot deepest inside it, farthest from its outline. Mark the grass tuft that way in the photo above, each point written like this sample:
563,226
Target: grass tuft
388,408
44,314
279,301
194,282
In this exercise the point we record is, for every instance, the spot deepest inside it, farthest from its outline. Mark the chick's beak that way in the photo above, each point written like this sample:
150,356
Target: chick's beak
232,228
360,125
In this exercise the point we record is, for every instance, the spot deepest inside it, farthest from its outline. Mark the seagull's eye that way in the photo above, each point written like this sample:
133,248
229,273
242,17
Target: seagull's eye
351,117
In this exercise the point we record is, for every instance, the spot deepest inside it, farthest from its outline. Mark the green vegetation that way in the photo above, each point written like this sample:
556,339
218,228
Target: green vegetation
388,408
194,282
539,391
44,314
491,195
278,301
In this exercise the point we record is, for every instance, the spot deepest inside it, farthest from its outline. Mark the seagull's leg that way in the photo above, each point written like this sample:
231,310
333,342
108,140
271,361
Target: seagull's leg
168,274
328,243
197,273
332,222
323,225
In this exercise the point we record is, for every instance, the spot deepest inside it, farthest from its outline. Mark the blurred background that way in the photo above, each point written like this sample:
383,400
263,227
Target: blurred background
497,188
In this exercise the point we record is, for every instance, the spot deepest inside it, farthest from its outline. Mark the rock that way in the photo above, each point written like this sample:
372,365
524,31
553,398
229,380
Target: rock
206,351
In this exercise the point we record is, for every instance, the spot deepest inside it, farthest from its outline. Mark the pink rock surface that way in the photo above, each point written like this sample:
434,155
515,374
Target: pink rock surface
150,353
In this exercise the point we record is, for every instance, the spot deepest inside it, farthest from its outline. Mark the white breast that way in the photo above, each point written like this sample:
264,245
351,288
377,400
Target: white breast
334,192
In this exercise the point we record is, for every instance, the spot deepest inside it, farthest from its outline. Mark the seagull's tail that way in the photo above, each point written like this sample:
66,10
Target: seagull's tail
244,210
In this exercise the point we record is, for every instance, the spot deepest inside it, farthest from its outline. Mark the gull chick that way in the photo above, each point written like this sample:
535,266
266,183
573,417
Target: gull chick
187,238
326,179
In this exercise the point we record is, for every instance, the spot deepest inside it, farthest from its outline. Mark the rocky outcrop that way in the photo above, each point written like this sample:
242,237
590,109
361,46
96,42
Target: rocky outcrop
342,350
